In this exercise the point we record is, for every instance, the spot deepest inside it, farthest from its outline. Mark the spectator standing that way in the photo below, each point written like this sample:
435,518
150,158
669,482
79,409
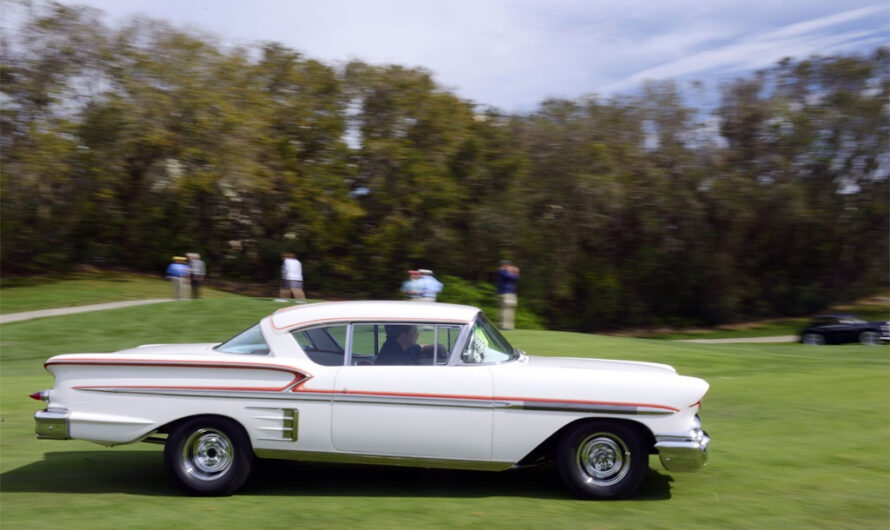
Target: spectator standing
411,287
178,272
291,279
507,280
428,286
197,271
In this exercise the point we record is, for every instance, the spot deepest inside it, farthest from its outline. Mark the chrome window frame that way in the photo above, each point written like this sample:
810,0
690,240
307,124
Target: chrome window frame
469,330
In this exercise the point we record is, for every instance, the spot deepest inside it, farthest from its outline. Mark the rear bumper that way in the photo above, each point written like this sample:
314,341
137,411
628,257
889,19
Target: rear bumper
52,424
684,452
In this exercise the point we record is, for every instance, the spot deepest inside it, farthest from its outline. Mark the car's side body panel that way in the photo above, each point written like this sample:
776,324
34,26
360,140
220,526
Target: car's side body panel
655,397
424,411
122,398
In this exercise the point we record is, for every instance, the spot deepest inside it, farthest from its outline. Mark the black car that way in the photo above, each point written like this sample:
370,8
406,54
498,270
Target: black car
838,329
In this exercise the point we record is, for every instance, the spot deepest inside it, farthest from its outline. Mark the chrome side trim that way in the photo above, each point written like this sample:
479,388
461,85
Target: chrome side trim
351,458
420,401
212,393
292,423
52,424
598,408
279,424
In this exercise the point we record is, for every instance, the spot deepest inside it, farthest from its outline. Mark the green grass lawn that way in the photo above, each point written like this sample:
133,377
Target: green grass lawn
800,440
44,293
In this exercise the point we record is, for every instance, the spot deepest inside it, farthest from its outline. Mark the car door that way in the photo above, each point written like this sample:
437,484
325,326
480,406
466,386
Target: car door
427,411
833,330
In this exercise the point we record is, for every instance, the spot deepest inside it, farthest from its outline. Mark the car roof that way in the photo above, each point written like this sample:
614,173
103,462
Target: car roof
380,311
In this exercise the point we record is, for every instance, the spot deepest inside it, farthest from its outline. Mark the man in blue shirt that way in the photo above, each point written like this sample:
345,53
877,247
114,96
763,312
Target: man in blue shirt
507,278
178,272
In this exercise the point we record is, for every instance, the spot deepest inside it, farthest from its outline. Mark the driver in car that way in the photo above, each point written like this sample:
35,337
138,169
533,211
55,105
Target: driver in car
401,347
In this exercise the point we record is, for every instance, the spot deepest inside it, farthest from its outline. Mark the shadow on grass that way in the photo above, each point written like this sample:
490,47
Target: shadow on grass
133,472
143,473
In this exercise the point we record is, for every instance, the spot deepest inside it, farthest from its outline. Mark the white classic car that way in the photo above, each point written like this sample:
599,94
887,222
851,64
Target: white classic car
399,383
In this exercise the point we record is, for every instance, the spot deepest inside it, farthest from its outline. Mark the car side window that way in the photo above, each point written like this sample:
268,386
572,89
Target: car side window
323,345
367,340
403,344
248,342
486,345
438,342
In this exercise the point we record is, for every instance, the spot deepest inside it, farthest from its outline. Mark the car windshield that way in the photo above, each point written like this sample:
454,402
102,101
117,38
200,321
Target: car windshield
487,345
248,342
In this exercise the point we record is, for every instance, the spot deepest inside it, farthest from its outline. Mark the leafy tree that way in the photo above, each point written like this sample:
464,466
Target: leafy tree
126,145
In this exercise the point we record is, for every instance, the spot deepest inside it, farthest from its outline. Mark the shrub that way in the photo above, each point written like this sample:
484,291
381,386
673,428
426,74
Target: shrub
484,296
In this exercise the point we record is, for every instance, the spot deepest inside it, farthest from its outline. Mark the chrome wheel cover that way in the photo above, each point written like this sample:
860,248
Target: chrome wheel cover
813,339
603,459
870,338
207,454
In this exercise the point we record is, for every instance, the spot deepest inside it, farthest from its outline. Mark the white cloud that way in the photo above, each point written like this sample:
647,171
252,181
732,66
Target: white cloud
804,28
514,53
760,50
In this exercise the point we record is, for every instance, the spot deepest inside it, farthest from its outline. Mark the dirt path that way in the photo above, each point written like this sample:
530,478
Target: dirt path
29,315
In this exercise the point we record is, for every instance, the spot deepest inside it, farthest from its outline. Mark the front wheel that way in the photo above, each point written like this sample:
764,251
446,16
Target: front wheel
870,338
603,460
209,456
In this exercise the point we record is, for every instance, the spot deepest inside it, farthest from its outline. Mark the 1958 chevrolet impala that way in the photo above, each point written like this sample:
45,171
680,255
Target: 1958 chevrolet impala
400,383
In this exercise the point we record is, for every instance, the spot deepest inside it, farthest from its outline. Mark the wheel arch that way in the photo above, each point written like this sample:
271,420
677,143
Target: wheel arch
169,427
546,450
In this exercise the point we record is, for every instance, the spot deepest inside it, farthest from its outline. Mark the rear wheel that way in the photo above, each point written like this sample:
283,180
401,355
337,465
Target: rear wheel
603,460
209,456
870,338
813,339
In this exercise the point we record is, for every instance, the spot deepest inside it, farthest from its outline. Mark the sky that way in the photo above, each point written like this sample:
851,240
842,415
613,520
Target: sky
513,54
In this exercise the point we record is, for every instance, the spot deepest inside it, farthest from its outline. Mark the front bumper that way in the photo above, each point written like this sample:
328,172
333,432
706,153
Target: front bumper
52,424
684,452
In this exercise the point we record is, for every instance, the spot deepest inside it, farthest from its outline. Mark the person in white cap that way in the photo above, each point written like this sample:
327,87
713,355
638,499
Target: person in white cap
410,287
429,286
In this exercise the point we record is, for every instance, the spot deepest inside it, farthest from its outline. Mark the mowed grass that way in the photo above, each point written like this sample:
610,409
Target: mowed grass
778,327
800,440
83,289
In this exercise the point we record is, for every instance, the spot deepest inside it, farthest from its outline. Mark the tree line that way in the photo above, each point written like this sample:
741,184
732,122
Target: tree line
125,145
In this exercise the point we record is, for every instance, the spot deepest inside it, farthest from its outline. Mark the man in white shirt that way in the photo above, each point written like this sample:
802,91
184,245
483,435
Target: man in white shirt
291,278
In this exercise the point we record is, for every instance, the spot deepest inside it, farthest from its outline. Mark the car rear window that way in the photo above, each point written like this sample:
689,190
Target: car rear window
248,342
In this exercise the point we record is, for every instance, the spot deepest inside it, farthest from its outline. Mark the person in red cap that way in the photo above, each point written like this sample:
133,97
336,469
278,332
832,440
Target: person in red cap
410,287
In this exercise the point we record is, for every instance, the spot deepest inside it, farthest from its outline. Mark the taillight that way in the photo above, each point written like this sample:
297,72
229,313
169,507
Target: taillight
43,395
